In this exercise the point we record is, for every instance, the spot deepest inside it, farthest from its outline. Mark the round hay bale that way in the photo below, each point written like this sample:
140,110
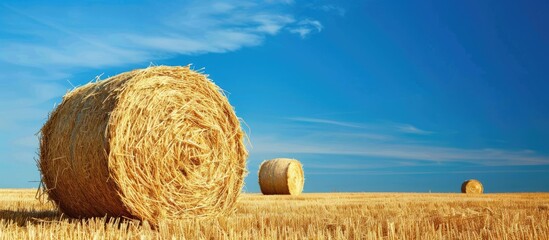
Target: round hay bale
151,144
281,176
472,186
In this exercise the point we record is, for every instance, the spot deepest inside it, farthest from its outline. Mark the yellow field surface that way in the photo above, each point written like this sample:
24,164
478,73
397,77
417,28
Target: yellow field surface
308,216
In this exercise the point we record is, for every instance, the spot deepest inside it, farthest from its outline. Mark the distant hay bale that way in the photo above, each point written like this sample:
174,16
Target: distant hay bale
150,144
281,176
472,186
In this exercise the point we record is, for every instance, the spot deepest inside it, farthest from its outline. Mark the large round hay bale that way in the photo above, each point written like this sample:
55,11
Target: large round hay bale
472,186
151,144
281,176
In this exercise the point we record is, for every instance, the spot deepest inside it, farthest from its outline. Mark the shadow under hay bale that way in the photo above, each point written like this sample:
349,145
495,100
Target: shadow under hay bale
472,186
24,217
281,176
150,144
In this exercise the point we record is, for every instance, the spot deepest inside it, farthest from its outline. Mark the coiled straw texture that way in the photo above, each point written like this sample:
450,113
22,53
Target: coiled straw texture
281,176
150,144
472,186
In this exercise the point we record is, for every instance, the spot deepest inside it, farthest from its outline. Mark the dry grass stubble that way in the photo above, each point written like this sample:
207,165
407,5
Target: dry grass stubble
312,216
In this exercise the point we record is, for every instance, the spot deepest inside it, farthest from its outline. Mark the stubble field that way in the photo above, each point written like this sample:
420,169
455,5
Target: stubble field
308,216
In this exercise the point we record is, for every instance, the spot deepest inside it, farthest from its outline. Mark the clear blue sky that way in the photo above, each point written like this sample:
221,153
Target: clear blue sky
374,95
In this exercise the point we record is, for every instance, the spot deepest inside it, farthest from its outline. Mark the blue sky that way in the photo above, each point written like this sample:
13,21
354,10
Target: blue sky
370,95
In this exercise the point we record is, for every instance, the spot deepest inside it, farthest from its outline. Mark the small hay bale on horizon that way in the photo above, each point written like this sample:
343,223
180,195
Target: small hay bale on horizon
281,176
472,186
151,144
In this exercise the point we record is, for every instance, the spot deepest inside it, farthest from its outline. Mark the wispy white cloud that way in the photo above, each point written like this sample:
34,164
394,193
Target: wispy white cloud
384,141
331,9
306,27
326,121
386,127
281,1
66,56
272,24
345,166
378,172
216,42
360,135
391,150
192,27
407,128
44,45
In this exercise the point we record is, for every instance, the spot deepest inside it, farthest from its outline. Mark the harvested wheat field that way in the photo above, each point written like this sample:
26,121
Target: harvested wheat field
308,216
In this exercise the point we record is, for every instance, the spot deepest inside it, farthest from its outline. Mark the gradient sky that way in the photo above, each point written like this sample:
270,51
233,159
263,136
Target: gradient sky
377,95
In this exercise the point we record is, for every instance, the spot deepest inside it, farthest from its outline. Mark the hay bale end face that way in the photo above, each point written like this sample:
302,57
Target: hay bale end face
281,176
472,186
151,144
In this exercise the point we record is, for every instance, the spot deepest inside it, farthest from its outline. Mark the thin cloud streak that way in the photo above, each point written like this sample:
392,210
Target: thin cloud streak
386,127
357,141
349,166
407,128
362,156
325,121
332,8
390,150
57,27
382,141
421,172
